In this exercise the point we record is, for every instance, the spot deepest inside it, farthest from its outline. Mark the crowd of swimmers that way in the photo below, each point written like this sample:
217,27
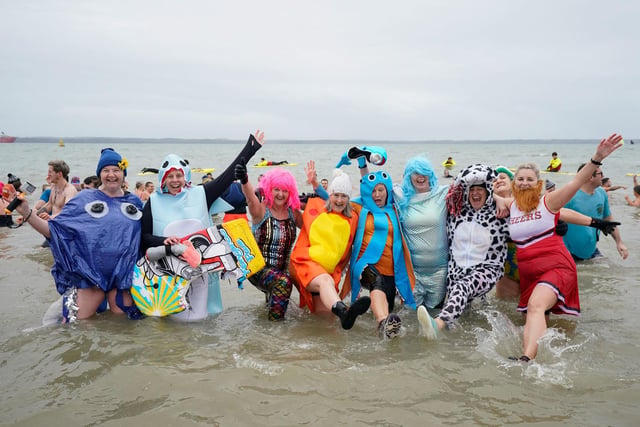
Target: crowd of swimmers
431,248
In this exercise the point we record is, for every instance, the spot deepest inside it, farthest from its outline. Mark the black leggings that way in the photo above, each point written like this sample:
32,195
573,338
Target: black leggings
388,286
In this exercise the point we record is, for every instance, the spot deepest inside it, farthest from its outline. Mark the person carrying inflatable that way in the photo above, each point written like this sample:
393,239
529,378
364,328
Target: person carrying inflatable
323,249
177,209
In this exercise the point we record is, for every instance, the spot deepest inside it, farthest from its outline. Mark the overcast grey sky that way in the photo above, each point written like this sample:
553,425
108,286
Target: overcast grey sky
403,70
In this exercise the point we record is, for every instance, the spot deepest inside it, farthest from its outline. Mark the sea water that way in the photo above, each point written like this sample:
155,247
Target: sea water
239,369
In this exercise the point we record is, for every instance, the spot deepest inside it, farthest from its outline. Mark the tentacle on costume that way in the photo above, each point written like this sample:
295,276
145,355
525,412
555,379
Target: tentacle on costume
344,160
381,218
374,155
364,154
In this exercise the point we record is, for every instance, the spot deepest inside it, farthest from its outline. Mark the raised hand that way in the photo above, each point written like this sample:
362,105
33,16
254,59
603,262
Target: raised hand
312,175
240,171
607,146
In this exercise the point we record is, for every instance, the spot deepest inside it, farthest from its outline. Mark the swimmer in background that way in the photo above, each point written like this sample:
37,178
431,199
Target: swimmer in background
555,164
265,162
636,193
607,186
448,166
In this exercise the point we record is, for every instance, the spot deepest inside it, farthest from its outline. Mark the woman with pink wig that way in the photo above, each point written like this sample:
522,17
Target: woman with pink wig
274,222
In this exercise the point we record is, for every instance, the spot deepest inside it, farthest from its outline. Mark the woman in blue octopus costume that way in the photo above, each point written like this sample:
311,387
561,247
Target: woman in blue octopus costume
91,261
380,261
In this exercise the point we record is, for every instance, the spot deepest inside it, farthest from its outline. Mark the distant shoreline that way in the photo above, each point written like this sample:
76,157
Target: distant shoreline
106,140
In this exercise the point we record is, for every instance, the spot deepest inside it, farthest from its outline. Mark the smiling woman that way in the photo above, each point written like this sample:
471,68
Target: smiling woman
177,209
423,217
76,233
323,249
275,220
478,245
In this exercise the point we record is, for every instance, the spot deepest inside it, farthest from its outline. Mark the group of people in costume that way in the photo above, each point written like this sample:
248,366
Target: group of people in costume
435,247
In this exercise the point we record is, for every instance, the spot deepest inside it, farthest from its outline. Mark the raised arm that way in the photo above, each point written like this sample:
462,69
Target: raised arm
256,208
632,202
312,179
557,199
39,224
216,187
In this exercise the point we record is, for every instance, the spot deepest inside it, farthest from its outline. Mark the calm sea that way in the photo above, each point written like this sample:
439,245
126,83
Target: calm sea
239,369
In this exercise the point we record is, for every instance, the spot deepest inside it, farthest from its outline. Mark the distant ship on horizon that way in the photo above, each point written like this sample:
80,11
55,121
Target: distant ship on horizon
6,138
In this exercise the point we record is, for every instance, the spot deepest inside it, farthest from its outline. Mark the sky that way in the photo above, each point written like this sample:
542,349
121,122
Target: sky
374,70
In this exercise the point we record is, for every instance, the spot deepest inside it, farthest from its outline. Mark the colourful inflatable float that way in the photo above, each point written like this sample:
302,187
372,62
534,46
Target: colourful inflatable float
159,287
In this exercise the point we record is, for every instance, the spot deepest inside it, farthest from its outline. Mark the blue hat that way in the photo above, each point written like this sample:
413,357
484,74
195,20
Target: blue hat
108,157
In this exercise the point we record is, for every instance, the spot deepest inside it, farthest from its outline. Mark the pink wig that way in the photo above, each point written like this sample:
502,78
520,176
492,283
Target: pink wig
284,180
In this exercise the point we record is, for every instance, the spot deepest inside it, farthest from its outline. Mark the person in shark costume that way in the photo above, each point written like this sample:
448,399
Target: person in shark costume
178,208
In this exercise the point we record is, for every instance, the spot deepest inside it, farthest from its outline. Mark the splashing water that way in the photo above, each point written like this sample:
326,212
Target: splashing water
555,362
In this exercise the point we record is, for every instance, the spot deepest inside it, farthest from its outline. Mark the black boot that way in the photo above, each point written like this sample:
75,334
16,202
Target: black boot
348,315
339,309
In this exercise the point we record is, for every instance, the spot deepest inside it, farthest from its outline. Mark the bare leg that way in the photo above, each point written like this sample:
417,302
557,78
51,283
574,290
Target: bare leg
325,286
379,305
88,300
542,299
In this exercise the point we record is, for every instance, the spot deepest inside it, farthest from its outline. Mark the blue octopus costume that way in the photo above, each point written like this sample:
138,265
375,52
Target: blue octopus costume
94,241
373,251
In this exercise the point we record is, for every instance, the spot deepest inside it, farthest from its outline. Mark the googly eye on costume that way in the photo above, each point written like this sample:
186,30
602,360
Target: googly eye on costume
97,209
130,211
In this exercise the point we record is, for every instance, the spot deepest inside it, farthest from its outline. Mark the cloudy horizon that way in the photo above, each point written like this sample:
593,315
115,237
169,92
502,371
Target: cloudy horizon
369,70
